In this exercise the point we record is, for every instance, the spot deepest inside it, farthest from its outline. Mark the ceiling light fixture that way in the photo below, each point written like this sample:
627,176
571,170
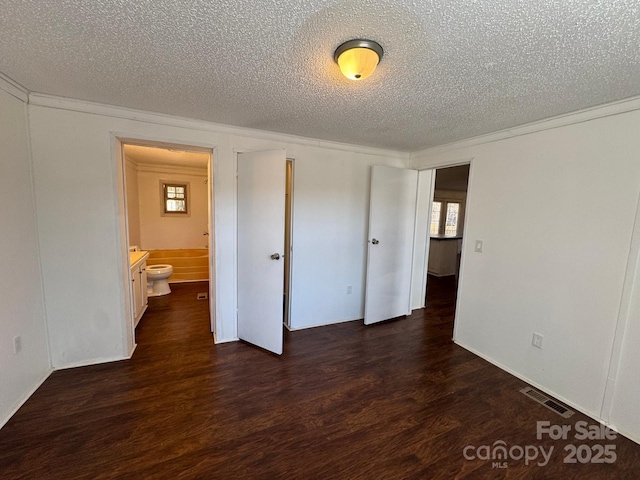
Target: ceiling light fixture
358,58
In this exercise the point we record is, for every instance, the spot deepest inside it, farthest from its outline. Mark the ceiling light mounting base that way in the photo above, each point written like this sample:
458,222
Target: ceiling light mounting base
358,43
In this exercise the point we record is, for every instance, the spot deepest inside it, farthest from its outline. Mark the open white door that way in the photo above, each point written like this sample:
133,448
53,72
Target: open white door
392,214
261,209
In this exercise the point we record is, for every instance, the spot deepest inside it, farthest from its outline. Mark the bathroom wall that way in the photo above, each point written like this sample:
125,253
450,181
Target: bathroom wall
158,231
21,293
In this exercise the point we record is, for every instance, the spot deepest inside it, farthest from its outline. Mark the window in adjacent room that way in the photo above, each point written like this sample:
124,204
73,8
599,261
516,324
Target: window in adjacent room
436,209
445,218
451,223
175,197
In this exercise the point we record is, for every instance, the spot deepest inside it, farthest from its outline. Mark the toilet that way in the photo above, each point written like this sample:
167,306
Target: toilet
157,283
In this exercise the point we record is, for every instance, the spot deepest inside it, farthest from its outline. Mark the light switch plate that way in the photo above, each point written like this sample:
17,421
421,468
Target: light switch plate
536,341
478,247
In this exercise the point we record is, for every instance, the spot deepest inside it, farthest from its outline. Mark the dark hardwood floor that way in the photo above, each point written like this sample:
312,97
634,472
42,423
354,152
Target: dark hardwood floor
396,400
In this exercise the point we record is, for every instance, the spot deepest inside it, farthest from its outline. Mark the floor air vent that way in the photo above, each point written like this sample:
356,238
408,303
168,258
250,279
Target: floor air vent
201,296
542,399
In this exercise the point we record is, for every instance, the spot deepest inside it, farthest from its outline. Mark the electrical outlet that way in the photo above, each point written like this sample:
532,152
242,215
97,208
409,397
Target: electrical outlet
479,244
537,340
17,345
349,289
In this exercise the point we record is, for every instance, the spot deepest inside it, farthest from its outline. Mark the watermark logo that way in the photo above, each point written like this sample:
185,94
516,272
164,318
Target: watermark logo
500,453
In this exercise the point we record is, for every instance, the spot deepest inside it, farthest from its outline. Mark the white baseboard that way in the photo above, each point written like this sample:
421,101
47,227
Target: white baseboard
551,393
305,327
532,383
21,401
217,341
440,275
95,361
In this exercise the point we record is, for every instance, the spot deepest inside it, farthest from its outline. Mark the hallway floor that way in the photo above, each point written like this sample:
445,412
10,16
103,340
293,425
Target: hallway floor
396,400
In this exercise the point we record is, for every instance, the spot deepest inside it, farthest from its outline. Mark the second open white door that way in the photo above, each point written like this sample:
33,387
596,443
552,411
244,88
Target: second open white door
392,214
261,211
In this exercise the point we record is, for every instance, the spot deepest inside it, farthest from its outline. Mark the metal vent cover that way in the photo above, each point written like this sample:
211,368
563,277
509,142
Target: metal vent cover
551,404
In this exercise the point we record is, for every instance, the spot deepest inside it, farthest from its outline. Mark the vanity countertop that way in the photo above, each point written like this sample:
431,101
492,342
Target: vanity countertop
137,257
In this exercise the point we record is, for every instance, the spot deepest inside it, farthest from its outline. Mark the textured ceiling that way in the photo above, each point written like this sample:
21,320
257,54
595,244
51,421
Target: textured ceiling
452,69
163,156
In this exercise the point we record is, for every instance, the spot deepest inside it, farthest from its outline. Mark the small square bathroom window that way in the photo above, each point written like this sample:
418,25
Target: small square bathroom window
175,197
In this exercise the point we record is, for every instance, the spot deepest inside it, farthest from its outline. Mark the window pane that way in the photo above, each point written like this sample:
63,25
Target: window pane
435,218
175,206
175,197
451,227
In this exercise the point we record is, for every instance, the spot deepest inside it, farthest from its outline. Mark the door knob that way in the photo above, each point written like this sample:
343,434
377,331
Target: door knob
375,242
275,256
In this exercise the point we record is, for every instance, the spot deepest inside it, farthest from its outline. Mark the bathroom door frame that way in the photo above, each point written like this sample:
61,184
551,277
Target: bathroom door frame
117,143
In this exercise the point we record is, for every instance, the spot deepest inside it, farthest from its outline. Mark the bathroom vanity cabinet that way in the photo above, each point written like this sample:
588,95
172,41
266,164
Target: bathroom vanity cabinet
138,263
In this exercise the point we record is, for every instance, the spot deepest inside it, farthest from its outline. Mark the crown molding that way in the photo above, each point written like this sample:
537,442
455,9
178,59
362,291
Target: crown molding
592,113
61,103
159,168
14,88
163,168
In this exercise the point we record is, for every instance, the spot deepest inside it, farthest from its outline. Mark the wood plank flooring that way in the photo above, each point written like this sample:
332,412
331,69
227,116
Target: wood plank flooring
396,400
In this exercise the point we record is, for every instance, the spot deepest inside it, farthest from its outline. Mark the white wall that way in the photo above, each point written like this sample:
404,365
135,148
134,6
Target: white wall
330,229
555,209
174,231
621,406
21,294
133,202
75,178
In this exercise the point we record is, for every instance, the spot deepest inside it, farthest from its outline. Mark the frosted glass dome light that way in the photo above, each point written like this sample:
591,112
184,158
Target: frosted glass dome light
358,59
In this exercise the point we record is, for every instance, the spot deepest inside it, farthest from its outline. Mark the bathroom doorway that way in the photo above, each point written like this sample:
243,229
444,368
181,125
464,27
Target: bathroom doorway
167,192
